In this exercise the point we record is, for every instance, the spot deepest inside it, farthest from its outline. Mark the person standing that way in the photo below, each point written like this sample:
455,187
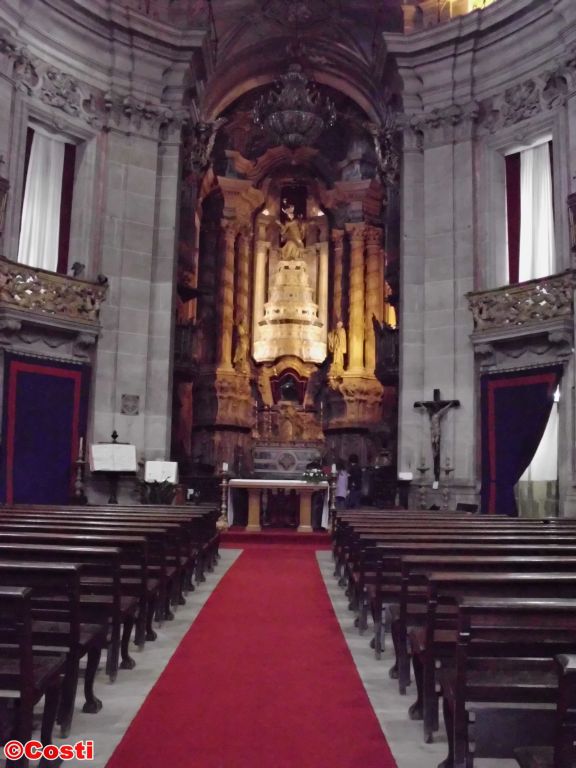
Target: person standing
341,485
354,482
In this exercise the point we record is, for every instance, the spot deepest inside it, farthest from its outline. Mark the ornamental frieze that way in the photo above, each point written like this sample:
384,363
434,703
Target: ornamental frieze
515,104
101,110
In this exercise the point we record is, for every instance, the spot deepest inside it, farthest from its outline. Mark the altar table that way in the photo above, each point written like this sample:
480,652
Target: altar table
304,490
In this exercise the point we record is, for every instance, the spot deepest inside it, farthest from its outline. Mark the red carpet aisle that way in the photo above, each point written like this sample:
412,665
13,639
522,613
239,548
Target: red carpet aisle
263,679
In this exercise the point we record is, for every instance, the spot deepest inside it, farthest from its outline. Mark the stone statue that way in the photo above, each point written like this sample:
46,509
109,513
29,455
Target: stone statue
240,361
293,233
337,346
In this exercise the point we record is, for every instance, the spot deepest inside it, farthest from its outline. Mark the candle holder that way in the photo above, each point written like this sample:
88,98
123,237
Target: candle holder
79,496
447,470
222,522
332,497
422,484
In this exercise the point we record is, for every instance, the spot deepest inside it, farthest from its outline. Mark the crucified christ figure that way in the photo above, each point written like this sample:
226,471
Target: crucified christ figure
436,408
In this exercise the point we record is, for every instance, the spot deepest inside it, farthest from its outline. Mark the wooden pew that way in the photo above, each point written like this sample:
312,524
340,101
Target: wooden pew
504,656
25,675
95,561
99,601
560,751
435,643
415,569
378,576
56,619
182,544
200,520
156,534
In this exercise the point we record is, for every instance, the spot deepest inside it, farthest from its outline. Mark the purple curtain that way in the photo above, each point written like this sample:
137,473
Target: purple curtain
515,410
45,409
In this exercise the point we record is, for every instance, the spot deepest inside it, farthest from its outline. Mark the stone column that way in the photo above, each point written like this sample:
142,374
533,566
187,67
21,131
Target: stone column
226,295
373,293
323,284
356,233
243,272
338,245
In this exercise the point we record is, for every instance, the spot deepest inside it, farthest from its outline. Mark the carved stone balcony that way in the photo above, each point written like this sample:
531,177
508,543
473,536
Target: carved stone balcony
533,320
46,307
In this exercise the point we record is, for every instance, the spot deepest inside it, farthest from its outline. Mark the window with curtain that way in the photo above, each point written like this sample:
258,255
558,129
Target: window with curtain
515,411
530,213
47,201
537,489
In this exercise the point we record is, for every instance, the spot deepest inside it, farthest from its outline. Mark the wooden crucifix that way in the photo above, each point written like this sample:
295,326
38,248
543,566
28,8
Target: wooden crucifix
436,408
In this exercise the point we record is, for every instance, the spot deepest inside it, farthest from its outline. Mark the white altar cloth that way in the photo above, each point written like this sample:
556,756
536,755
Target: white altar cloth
289,485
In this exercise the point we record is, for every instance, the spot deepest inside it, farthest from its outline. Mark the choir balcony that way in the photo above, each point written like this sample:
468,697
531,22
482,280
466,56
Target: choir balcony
48,308
533,319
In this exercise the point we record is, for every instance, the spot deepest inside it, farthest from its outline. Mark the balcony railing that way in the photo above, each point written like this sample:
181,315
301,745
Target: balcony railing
526,304
49,293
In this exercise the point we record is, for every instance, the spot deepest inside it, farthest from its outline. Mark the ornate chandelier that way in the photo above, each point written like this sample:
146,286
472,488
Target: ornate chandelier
294,113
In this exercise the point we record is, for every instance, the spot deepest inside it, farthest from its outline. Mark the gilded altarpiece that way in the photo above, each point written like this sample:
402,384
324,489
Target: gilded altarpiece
284,337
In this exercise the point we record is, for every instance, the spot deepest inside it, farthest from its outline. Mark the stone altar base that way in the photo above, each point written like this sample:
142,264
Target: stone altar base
283,460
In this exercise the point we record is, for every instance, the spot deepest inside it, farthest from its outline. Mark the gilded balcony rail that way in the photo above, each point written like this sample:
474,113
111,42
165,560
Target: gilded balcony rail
49,293
528,303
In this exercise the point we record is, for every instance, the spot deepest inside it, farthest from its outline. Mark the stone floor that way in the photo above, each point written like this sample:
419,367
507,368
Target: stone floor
123,698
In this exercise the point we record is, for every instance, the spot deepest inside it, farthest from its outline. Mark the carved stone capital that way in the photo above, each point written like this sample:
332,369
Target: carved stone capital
337,236
356,233
373,238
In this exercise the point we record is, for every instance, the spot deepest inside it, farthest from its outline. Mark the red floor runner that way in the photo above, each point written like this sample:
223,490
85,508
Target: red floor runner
263,679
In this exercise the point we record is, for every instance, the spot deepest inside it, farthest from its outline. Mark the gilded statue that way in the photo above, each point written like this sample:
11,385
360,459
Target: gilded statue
337,346
293,233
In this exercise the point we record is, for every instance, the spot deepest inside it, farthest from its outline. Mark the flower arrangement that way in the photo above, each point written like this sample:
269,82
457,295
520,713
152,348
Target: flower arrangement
314,475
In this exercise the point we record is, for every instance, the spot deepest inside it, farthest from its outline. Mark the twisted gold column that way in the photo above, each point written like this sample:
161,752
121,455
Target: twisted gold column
373,294
338,246
243,271
226,296
356,232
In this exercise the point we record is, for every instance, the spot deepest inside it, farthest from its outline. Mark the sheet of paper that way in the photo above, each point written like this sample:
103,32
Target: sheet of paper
113,457
161,472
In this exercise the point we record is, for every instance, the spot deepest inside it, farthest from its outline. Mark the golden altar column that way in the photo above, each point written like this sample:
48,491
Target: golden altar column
373,293
259,280
338,249
226,296
356,233
243,271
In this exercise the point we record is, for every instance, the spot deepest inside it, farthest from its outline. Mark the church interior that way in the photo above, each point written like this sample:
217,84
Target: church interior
287,347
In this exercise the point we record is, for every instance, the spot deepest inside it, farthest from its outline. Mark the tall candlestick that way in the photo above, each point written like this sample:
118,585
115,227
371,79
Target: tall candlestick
81,449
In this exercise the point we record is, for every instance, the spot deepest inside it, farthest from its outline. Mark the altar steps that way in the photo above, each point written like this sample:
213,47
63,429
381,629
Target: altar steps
239,537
